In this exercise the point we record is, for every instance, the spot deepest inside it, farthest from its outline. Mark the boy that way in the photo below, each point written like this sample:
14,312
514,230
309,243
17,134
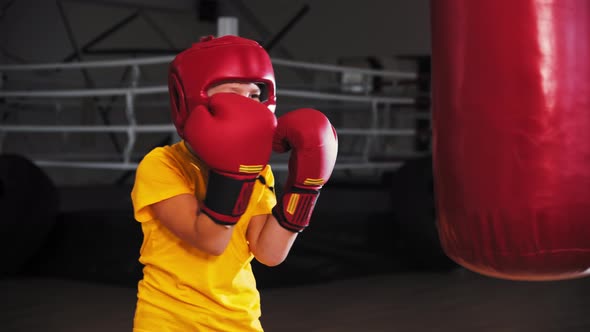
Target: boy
207,204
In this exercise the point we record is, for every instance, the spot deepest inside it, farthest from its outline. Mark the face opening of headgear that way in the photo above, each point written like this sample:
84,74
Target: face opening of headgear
214,60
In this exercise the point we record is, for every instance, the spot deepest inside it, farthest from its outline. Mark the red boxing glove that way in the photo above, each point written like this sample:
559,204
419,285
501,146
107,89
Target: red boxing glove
233,137
314,142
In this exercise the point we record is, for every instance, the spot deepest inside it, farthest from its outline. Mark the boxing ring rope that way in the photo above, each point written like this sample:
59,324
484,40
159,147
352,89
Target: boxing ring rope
167,59
132,128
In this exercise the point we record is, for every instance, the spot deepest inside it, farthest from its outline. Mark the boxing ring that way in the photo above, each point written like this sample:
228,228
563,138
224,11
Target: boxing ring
377,109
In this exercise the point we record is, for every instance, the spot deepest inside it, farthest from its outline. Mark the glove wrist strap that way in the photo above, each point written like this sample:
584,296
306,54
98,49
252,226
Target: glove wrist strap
227,196
294,209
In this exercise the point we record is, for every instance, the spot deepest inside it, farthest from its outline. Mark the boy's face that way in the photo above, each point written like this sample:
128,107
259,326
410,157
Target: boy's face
246,89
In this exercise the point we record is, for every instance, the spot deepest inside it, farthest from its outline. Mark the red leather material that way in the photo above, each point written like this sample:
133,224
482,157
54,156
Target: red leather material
511,126
211,61
234,138
234,131
314,147
314,142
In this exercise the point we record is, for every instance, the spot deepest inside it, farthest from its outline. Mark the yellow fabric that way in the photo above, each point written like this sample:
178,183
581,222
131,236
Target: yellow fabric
184,289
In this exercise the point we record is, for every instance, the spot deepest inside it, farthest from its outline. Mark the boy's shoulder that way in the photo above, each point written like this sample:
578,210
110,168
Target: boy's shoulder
163,155
165,152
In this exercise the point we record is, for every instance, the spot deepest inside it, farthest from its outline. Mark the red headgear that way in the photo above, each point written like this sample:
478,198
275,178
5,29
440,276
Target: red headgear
213,60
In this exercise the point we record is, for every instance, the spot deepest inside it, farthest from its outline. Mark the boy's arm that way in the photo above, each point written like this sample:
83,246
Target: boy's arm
181,215
313,143
269,242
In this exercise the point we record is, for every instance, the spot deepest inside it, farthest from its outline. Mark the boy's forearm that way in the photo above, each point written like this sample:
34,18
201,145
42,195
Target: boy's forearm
211,237
273,243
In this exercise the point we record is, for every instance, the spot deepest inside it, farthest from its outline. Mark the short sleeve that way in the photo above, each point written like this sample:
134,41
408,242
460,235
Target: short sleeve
157,178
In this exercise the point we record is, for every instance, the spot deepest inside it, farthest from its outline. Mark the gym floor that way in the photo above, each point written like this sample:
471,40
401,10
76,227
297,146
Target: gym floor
339,277
456,300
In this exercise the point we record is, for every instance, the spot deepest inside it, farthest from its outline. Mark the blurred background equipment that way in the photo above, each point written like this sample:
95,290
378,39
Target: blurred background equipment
29,204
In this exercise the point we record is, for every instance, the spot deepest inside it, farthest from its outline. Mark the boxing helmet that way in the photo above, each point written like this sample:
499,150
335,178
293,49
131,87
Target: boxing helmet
214,60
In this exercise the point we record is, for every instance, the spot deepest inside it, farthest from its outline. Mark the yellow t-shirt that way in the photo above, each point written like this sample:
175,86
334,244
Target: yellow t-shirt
184,289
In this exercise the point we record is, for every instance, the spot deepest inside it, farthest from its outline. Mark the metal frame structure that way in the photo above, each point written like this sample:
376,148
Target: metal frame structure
132,128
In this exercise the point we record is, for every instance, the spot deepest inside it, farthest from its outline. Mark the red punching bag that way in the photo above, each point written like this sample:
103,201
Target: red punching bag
511,126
